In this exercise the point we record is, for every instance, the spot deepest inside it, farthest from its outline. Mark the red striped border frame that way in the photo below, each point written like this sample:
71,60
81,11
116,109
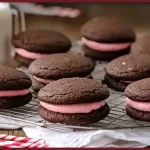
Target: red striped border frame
81,1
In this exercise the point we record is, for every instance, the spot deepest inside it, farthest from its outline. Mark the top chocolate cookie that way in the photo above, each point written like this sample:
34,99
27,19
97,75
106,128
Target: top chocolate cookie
73,91
139,90
58,66
42,41
129,67
12,79
107,30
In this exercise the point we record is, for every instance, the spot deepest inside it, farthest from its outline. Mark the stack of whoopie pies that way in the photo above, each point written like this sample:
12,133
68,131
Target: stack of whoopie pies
106,38
67,92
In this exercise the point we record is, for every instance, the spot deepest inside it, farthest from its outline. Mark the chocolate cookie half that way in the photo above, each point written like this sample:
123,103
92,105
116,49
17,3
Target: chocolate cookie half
74,101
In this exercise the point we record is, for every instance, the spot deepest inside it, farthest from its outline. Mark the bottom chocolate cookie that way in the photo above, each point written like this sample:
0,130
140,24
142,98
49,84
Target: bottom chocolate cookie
115,84
104,55
74,119
13,102
137,114
22,60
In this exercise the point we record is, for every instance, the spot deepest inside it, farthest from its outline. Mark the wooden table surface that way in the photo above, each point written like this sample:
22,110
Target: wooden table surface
18,132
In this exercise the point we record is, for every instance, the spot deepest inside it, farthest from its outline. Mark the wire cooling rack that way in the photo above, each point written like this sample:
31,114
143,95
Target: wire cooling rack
117,118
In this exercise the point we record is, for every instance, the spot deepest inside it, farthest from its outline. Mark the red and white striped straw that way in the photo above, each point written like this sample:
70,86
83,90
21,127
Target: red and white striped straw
10,141
58,11
21,139
13,144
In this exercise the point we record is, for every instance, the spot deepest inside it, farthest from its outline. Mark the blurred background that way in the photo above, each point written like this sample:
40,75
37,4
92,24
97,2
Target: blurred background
135,14
64,17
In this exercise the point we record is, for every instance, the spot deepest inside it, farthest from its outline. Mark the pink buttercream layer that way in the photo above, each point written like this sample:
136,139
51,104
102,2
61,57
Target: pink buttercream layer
14,93
30,55
142,106
46,81
105,46
74,108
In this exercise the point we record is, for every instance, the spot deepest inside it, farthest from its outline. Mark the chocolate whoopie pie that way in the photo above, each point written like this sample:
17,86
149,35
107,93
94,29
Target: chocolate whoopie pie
106,38
142,45
57,66
34,44
138,100
74,101
124,70
14,88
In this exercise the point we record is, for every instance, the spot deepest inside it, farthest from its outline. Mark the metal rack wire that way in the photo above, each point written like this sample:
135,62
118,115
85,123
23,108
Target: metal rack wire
117,118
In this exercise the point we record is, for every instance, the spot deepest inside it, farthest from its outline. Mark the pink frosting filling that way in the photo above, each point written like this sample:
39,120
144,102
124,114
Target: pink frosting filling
46,81
14,93
74,108
30,55
142,106
105,46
